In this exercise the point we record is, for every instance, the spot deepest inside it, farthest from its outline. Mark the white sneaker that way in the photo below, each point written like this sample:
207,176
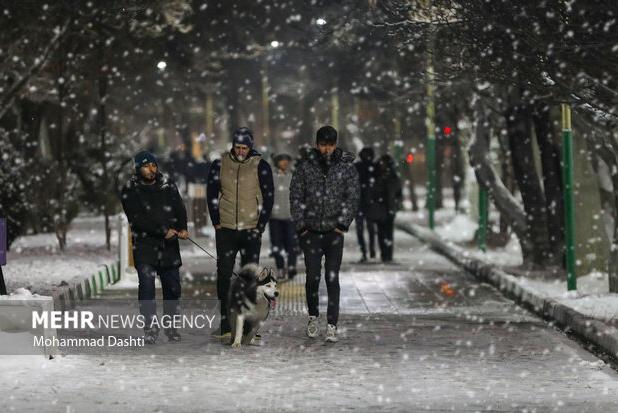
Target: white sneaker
331,334
313,328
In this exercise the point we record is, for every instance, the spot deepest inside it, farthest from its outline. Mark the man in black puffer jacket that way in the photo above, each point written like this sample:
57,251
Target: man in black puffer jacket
157,217
324,196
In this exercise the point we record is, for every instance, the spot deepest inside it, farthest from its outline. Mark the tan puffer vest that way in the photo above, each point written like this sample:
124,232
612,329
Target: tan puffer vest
240,200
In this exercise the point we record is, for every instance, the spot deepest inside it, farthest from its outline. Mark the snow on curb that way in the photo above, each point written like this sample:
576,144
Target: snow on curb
67,296
595,331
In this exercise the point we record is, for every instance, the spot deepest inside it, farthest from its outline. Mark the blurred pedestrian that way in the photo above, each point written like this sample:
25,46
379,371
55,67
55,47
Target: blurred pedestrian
282,233
324,198
386,198
366,175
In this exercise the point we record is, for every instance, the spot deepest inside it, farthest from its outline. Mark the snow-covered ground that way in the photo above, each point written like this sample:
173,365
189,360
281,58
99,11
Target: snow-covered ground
35,262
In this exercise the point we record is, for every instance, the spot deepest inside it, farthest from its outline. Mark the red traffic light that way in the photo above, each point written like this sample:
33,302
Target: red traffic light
447,130
409,158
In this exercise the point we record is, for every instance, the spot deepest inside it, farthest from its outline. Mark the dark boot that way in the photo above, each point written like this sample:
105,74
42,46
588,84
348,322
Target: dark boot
172,334
151,335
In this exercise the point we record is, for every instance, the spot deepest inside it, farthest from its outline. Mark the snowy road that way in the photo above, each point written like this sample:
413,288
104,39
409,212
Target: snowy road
417,336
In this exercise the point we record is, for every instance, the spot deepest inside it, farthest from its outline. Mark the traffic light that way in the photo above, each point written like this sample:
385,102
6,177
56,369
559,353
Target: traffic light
409,158
447,130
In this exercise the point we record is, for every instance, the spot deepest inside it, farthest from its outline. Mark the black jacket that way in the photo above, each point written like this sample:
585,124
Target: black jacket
324,196
386,196
366,177
151,211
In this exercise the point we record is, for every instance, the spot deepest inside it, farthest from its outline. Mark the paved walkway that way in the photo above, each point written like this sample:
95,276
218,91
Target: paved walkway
416,336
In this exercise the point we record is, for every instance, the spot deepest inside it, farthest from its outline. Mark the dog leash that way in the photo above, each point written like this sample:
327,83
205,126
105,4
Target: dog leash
203,249
207,253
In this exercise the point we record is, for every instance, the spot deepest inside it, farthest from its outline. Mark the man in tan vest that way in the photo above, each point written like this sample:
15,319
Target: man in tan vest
240,198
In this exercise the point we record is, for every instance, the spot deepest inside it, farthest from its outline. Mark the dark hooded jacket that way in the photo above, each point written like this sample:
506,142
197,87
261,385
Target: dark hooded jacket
386,193
151,211
324,195
366,175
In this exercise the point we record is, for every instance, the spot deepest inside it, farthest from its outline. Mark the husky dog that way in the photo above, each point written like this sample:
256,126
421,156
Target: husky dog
252,294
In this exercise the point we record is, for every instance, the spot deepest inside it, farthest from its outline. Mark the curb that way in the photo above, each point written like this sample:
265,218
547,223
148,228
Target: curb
570,320
68,296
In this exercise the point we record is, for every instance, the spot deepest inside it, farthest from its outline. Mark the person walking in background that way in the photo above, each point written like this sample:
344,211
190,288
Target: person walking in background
366,171
282,233
386,198
240,199
324,197
197,177
157,216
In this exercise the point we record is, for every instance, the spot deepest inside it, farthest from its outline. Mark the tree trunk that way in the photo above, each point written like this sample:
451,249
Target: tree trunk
233,98
102,121
506,171
60,219
486,177
552,182
412,188
439,168
458,170
606,147
518,121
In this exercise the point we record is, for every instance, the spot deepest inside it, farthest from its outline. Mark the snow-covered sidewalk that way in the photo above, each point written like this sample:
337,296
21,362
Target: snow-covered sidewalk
591,311
592,297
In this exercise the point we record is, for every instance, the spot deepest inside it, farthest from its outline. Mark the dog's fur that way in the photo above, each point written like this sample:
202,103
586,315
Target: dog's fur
251,294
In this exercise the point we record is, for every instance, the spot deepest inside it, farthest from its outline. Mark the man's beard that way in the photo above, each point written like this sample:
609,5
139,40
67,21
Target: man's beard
149,179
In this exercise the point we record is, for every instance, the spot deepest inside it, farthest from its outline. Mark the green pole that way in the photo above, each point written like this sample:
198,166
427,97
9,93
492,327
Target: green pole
431,143
483,214
431,179
430,123
569,203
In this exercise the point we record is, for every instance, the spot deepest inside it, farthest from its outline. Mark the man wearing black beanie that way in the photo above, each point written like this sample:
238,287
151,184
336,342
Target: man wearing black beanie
324,197
240,196
157,217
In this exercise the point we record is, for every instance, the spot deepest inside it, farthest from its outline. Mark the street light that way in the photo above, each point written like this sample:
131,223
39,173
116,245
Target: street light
161,65
275,44
320,21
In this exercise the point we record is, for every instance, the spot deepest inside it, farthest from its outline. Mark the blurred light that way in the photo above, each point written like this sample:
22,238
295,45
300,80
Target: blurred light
447,130
409,158
161,65
320,22
275,44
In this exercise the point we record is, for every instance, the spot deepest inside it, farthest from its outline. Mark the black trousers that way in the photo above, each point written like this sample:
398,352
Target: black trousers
229,243
385,238
361,221
170,285
330,246
284,242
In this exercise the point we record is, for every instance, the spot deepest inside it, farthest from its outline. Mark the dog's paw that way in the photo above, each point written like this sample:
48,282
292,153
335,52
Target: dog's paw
235,345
